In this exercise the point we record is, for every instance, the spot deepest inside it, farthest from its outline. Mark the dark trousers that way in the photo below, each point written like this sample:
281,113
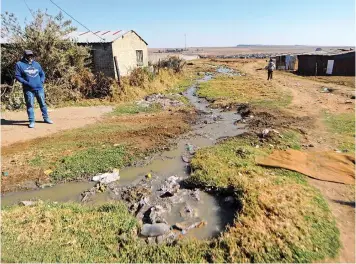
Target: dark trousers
270,74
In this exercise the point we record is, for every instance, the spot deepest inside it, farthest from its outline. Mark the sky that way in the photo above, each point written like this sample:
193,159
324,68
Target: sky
210,23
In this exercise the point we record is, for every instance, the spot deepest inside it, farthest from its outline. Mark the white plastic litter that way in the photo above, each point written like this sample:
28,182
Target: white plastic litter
107,177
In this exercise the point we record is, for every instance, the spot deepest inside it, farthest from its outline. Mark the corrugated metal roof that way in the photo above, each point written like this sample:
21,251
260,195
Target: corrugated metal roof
103,36
328,52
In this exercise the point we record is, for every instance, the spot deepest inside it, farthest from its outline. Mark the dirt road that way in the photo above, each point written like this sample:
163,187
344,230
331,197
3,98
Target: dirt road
308,100
14,125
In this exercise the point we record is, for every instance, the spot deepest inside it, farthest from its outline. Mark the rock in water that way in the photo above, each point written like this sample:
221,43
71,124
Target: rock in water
154,230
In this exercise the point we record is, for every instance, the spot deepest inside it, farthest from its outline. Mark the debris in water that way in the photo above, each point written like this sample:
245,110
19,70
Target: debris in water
27,203
190,224
155,214
148,175
154,230
107,177
196,194
185,159
169,187
46,185
190,148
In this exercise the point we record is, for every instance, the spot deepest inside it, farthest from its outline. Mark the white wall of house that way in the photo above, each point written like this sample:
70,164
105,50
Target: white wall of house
125,49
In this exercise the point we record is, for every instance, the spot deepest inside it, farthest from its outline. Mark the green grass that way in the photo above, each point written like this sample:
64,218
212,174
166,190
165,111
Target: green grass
133,108
343,124
292,139
90,162
342,128
181,86
76,233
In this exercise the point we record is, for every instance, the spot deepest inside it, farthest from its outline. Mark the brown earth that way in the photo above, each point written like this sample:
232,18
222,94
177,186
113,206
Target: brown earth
14,125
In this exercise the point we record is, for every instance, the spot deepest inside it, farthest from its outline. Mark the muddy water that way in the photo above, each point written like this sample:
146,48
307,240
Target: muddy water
212,125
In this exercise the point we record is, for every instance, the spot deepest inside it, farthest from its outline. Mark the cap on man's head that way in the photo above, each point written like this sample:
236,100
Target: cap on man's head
28,52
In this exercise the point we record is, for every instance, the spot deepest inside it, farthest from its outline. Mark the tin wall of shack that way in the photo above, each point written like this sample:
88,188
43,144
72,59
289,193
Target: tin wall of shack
344,64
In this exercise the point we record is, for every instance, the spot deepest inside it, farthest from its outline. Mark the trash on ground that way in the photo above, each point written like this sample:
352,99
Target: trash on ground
325,166
107,177
327,90
48,172
160,99
28,203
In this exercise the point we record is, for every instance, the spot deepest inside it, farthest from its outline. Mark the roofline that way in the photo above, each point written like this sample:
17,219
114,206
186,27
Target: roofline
136,35
327,54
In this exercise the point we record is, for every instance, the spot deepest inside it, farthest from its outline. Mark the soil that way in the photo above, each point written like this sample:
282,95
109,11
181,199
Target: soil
14,125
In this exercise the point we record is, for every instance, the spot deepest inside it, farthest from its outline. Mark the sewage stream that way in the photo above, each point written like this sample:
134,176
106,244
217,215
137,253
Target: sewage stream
212,125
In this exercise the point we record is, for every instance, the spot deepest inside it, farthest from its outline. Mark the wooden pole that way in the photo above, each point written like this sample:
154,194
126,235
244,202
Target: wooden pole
117,70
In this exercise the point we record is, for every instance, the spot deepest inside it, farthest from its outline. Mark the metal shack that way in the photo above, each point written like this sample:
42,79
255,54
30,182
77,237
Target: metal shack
286,62
336,62
114,51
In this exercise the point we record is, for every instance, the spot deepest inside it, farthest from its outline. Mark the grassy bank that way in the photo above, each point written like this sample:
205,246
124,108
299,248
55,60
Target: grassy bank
282,219
226,90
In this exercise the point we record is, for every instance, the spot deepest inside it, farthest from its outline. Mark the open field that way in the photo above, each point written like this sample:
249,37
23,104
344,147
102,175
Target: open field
249,49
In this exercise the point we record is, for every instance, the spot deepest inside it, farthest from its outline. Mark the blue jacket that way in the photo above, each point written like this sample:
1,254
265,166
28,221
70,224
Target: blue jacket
30,75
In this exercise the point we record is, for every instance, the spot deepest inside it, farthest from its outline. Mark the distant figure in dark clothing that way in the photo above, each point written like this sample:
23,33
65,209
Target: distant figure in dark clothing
29,72
271,66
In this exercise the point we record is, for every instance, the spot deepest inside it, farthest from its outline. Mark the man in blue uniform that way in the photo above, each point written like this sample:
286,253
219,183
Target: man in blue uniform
30,74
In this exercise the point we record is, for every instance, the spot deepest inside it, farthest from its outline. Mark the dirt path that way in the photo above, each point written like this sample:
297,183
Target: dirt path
14,125
308,100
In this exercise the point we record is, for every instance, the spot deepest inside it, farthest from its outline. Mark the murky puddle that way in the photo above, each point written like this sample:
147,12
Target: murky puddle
211,126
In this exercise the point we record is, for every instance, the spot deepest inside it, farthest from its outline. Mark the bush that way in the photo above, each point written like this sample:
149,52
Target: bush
174,63
12,96
139,76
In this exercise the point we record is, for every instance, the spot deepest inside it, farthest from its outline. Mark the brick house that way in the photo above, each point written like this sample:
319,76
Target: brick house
114,51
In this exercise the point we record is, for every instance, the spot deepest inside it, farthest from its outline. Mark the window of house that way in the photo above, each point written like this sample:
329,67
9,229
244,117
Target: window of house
139,57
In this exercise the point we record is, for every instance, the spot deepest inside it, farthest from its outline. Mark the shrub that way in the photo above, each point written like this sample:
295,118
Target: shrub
174,63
